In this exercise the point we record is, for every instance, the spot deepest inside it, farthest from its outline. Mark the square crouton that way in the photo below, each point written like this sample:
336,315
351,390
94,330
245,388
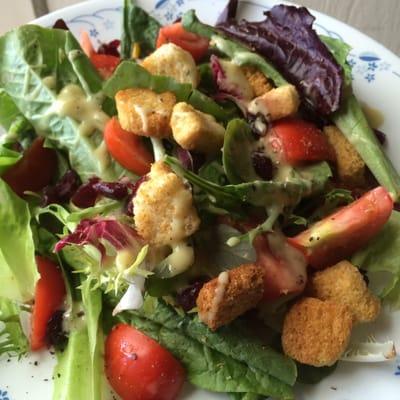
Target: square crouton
195,130
350,166
258,81
144,112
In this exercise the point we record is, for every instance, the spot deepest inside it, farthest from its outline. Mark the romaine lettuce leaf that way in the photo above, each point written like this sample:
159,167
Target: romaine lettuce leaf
138,27
18,272
381,260
30,55
8,158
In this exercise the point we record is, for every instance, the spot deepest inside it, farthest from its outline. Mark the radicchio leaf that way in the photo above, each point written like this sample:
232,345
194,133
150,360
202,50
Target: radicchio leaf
191,161
63,190
286,38
229,12
95,231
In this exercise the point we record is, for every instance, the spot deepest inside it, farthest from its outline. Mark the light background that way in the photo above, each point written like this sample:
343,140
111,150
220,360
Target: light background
379,19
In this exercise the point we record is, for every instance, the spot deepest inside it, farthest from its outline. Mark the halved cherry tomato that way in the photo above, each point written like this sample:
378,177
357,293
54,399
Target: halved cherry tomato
344,232
196,45
295,141
34,170
105,64
285,267
49,296
127,148
138,368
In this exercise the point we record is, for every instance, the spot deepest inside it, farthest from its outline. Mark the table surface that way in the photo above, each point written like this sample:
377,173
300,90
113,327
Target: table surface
377,18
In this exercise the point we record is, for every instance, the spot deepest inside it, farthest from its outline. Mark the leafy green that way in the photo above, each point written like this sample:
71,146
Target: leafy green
9,112
129,74
12,338
215,361
238,145
8,158
238,53
138,27
351,120
18,272
29,55
244,396
381,260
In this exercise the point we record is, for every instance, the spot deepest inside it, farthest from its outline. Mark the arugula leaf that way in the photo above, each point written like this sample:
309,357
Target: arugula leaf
29,55
12,338
18,272
381,260
351,120
238,53
138,27
238,145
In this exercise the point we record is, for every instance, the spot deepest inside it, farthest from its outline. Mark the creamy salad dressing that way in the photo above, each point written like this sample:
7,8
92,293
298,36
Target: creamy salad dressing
181,258
143,112
222,283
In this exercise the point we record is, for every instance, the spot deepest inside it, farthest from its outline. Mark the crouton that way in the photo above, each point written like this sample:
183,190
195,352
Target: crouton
350,166
144,112
229,295
164,211
258,81
195,130
316,332
171,60
277,103
344,284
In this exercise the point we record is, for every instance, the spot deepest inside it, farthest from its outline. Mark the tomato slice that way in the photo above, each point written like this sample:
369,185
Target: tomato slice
285,267
49,296
138,368
34,170
196,45
295,141
105,64
347,230
127,148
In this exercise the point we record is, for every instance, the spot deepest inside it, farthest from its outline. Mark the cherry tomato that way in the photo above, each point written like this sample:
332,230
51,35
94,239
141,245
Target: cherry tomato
105,64
295,141
34,170
339,235
285,267
49,296
196,45
138,368
127,148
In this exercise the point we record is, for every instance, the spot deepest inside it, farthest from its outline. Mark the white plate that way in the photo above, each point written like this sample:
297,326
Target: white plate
376,73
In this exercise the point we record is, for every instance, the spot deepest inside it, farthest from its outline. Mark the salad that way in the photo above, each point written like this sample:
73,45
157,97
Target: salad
191,203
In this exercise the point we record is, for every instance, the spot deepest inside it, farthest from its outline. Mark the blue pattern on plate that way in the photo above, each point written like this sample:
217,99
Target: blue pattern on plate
4,395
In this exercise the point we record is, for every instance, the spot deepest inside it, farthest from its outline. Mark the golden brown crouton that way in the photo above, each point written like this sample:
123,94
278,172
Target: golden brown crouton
350,166
171,60
164,211
277,103
258,81
144,112
195,130
344,284
316,332
229,295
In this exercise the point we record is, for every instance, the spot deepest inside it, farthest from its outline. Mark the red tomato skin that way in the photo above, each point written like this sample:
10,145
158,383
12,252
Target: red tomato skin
105,64
295,141
49,296
196,45
138,368
347,230
126,148
281,276
34,170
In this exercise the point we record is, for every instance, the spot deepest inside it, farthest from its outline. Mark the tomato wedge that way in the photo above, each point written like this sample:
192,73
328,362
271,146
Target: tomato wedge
294,141
285,267
34,170
127,148
138,368
105,64
49,296
196,45
344,232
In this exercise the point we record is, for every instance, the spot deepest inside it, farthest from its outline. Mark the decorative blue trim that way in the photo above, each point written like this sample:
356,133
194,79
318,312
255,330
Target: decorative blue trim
4,395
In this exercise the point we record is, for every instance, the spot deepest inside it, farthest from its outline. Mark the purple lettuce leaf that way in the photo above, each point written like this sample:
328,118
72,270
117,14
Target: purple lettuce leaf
229,12
286,38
